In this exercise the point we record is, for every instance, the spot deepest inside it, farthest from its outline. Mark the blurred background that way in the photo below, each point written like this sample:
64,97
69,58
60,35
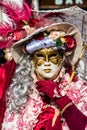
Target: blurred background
58,4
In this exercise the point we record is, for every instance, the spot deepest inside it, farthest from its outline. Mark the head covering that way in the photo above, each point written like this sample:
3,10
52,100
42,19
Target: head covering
36,41
13,13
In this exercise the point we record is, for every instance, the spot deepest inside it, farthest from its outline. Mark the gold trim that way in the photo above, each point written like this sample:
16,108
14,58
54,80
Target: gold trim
63,110
78,60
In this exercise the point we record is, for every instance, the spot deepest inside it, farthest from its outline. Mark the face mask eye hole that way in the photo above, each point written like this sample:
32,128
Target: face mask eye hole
39,55
52,55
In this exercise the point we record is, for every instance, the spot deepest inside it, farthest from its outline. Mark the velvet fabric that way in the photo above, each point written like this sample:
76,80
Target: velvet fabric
74,118
6,72
47,86
45,120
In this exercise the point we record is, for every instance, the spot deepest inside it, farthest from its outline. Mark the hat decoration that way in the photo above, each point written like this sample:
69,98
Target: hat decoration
18,10
13,13
42,40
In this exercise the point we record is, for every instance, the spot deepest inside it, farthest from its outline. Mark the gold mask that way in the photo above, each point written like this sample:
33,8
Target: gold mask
47,54
47,62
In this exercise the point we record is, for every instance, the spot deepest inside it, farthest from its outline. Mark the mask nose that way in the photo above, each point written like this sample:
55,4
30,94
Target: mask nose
47,59
47,64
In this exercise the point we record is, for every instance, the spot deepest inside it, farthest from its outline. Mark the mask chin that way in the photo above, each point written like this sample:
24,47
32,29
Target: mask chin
50,72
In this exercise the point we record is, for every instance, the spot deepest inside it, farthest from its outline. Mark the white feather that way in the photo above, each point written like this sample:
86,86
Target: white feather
14,3
6,20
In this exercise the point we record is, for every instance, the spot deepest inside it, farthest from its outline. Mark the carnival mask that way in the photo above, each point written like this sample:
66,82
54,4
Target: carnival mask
47,62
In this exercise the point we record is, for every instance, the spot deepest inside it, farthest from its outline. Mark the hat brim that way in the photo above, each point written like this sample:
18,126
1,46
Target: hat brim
69,29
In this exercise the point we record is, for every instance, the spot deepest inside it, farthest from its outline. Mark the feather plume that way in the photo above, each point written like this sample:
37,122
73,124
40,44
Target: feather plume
12,12
6,23
17,9
13,3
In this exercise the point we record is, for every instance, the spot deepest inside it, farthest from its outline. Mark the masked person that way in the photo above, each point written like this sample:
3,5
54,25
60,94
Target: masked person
13,14
41,95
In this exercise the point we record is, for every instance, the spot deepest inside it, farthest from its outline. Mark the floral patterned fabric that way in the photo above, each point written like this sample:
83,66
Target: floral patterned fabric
30,116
